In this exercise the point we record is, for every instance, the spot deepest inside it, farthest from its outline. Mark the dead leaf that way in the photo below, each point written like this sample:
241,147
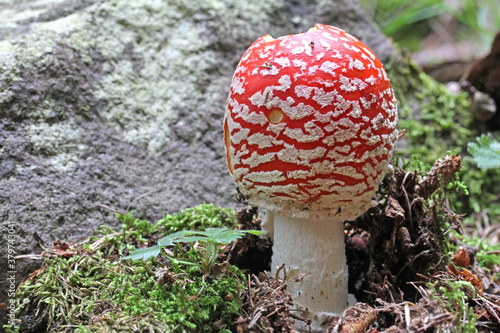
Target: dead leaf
356,319
60,249
461,258
394,210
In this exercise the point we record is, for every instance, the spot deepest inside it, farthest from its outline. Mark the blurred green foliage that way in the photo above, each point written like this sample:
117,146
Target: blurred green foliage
408,22
440,123
486,152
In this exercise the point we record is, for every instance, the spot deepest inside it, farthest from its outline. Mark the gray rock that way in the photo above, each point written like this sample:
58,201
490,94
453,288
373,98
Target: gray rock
120,103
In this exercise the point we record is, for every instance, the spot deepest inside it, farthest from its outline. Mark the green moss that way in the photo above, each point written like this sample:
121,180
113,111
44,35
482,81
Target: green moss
94,292
454,296
100,295
439,123
136,231
488,252
200,218
436,120
489,260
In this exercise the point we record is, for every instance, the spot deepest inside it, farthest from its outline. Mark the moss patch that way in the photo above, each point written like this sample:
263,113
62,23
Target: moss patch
99,295
438,123
85,288
436,120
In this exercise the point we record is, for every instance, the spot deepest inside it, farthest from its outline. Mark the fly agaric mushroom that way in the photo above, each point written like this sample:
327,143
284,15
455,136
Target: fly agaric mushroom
310,126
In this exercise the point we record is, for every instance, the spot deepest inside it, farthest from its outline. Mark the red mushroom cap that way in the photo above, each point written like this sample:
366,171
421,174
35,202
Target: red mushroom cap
310,124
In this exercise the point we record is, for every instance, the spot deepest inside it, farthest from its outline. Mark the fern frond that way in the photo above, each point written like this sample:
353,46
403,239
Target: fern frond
486,152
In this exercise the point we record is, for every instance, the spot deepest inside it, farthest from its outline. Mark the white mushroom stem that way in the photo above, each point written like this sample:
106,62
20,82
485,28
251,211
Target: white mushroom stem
315,249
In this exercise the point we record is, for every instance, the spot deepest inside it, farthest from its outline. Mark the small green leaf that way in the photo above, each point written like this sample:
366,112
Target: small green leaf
254,232
222,235
209,235
176,237
143,254
486,152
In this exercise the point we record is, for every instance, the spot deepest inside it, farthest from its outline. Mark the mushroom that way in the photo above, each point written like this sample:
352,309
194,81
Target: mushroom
310,126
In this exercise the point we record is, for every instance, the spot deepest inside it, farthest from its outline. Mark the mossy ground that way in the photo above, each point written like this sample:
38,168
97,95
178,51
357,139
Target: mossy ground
86,288
440,123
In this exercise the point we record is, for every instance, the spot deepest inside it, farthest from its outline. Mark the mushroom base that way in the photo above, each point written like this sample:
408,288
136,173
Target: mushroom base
314,249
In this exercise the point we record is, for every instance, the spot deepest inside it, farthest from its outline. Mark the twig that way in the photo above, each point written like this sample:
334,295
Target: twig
410,217
140,197
110,209
29,256
250,292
